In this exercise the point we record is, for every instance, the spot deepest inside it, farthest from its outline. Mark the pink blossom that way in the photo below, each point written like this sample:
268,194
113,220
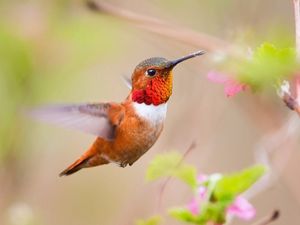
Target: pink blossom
194,206
231,86
242,209
202,192
202,178
217,77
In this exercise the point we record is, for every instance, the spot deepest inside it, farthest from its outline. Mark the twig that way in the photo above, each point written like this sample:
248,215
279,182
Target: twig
264,150
268,219
297,25
190,148
293,102
164,185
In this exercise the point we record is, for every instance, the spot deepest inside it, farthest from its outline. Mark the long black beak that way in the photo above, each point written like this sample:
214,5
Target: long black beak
173,63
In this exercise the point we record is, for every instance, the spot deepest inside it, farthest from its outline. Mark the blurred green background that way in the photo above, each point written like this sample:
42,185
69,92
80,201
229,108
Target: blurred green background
60,52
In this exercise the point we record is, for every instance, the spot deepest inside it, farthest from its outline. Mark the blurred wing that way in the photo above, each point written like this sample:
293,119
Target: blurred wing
127,82
90,118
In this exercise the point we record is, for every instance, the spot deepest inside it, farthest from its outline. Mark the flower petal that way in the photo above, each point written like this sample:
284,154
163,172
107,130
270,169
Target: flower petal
242,209
201,191
217,77
193,206
232,87
202,178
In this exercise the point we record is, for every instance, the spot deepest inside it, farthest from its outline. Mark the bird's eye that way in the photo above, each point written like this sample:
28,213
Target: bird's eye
151,72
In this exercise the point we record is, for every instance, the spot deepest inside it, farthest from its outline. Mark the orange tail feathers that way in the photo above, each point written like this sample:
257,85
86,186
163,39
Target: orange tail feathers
74,167
89,159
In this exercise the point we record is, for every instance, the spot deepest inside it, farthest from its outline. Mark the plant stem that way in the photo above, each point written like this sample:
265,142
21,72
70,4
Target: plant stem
297,26
268,219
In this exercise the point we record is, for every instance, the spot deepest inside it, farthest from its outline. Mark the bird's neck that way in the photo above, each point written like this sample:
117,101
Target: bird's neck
157,91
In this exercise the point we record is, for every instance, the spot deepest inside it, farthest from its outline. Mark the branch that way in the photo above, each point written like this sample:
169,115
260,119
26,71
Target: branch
290,100
268,219
293,102
181,34
297,25
264,150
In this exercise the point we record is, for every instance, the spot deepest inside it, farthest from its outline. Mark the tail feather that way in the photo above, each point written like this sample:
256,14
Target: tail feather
90,158
74,167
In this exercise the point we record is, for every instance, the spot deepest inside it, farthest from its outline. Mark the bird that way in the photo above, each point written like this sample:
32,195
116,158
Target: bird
127,130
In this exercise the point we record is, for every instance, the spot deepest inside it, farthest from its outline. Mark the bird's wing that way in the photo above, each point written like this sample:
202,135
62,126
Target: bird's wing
90,118
127,81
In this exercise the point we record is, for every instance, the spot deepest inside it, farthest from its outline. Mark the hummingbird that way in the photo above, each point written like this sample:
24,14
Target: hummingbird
124,131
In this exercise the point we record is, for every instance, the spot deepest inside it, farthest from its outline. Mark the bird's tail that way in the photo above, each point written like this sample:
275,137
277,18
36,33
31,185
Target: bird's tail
89,159
77,165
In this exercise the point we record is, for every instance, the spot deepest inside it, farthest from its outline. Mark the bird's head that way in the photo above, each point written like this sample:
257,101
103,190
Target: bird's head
152,79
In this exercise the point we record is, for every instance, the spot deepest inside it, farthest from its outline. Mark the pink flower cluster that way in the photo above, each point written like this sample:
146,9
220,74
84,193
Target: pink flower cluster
240,208
231,86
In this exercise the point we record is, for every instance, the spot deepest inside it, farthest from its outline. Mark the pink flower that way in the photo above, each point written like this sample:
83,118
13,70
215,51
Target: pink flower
202,178
194,207
201,192
195,204
242,209
231,86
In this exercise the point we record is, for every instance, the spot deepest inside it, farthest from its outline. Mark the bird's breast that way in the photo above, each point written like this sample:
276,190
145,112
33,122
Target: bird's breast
153,114
138,131
149,121
143,124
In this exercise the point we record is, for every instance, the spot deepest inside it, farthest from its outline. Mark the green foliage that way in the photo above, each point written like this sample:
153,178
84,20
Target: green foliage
228,187
183,214
170,164
154,220
16,68
268,66
223,193
211,211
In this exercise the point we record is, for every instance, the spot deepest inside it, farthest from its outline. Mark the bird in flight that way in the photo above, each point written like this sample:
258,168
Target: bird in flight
126,130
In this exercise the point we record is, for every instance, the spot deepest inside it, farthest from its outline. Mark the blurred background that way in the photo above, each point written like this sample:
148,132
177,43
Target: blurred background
62,52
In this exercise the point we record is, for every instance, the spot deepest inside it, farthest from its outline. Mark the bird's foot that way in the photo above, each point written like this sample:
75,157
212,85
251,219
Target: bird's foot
123,164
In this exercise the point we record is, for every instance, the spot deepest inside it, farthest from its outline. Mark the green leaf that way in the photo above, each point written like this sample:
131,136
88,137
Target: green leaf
268,66
170,164
213,211
154,220
228,187
188,174
183,214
